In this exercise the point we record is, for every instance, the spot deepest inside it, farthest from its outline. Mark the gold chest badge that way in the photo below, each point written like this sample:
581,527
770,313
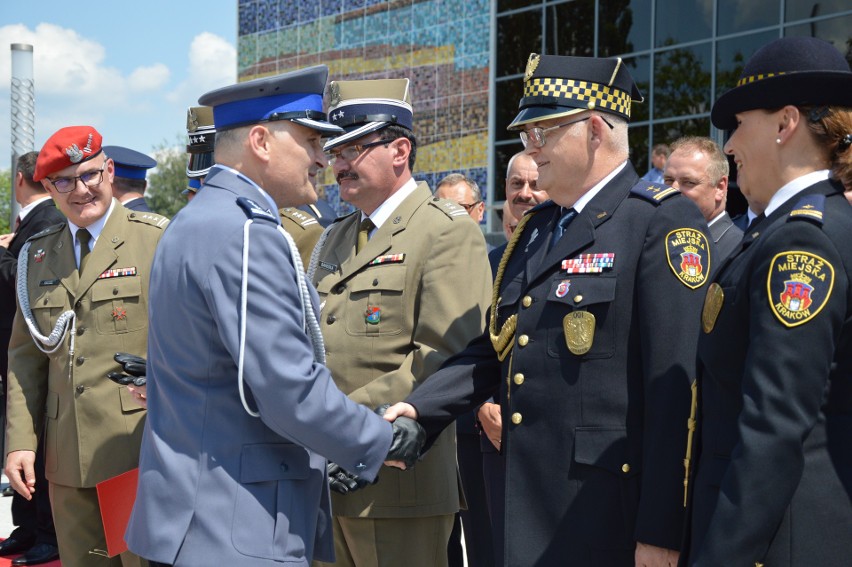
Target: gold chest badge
712,306
579,327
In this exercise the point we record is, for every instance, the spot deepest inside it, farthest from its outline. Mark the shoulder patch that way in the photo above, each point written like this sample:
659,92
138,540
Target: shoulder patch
688,254
152,219
449,208
810,208
300,218
255,211
651,192
798,285
45,232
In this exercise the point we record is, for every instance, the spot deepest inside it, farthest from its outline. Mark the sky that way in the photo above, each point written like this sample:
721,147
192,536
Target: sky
129,68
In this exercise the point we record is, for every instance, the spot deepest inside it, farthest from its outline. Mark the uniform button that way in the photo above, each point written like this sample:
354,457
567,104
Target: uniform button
519,378
517,418
81,360
339,289
625,468
376,281
115,291
78,305
523,340
578,298
81,330
79,389
330,319
527,301
45,301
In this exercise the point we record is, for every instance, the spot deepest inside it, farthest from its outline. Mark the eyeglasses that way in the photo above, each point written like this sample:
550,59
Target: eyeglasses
351,153
89,179
536,137
469,206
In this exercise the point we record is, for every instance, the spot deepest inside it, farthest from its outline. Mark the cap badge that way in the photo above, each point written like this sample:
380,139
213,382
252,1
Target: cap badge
335,94
74,153
532,64
193,120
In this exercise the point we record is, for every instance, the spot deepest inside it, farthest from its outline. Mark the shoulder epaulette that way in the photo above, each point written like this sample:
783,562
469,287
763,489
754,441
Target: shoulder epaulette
298,217
449,208
152,219
45,232
810,208
652,192
255,211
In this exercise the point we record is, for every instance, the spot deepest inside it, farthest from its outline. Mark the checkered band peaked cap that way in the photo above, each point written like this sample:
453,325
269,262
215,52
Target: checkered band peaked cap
801,71
366,106
556,85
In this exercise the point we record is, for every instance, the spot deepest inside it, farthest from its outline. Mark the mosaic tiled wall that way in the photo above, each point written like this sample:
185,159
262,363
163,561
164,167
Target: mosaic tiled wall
441,45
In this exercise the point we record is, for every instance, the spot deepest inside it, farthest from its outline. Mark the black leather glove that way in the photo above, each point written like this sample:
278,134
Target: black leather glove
408,439
135,368
344,482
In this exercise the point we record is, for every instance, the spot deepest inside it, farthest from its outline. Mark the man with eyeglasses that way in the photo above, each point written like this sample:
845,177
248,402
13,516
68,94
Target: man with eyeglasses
592,336
404,282
465,192
82,296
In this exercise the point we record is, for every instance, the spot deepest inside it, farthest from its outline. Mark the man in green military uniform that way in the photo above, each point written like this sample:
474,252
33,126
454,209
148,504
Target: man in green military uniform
405,283
82,297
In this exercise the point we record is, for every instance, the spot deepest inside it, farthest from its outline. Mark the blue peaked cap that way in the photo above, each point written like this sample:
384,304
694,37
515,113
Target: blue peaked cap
129,164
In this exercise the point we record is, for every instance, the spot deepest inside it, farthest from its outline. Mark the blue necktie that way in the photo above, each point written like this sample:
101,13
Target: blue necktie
561,225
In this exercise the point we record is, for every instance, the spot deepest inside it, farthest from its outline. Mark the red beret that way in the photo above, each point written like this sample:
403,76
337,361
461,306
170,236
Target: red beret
68,146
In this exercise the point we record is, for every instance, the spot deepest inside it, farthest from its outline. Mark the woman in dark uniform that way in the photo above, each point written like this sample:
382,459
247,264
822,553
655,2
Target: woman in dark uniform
772,475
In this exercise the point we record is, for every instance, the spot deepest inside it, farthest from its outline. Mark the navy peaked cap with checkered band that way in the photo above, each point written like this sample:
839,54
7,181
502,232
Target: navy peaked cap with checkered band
559,85
801,71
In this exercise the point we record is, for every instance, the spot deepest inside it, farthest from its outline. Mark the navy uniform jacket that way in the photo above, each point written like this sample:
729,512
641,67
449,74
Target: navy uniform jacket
594,442
137,204
726,235
217,486
43,215
774,464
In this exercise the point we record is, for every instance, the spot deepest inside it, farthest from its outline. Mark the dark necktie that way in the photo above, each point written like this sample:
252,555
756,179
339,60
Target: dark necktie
364,233
754,222
17,223
83,237
561,225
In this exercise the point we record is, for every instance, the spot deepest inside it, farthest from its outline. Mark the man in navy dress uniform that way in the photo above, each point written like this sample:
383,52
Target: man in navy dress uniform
592,336
242,410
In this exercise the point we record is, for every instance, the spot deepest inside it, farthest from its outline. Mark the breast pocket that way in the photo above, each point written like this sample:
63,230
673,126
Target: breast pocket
376,303
47,306
594,295
273,501
118,305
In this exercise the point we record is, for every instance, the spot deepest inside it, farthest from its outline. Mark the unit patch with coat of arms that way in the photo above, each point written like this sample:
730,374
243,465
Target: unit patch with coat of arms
799,285
688,253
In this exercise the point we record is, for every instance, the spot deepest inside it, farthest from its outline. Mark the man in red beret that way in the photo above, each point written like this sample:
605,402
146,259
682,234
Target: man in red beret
85,298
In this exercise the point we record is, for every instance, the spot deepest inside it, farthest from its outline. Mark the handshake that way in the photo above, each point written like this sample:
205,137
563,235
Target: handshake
408,440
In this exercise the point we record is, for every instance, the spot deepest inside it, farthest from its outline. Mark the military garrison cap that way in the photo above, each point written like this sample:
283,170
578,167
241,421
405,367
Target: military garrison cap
66,147
801,71
556,85
202,135
129,163
364,107
294,96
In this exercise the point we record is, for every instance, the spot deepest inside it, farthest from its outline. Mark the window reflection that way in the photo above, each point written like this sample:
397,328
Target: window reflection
744,15
624,27
682,81
568,29
518,35
680,21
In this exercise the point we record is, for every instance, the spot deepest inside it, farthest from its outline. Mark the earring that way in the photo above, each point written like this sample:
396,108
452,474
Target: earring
777,140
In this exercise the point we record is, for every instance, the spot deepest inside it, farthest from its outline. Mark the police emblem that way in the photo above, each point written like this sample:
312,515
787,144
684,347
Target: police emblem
688,253
373,315
39,255
562,288
532,65
799,285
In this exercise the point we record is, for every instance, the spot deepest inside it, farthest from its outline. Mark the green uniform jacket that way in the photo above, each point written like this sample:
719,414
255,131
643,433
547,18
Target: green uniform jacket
305,230
426,271
92,426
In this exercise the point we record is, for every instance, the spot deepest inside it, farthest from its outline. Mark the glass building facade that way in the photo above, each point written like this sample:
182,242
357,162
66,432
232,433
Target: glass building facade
466,60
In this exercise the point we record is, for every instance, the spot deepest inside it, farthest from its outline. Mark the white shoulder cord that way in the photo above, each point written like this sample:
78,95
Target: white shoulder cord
66,320
309,319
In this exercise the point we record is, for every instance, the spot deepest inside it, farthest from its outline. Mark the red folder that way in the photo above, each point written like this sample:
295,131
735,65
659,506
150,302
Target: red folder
116,497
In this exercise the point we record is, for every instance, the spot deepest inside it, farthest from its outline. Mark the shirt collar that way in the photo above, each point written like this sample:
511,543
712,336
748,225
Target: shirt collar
273,207
386,209
94,229
590,194
29,208
793,188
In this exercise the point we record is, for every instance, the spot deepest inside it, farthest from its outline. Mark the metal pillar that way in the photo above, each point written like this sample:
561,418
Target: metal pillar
23,111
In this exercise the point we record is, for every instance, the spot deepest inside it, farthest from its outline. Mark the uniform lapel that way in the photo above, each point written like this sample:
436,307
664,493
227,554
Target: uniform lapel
61,260
104,253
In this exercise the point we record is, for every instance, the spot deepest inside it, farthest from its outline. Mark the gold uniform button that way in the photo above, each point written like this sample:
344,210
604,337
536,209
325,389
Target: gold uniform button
523,340
517,418
519,378
578,298
625,468
527,301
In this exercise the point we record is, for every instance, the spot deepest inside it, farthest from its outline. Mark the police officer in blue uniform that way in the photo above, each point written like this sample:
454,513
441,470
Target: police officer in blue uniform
773,451
592,336
242,410
131,168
